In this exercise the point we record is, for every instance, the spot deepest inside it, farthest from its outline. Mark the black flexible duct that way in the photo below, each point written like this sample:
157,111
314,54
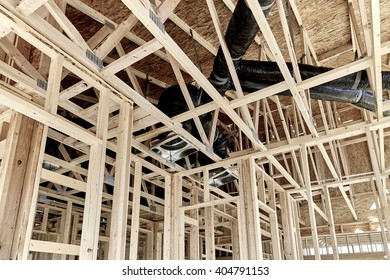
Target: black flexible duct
239,35
172,103
254,75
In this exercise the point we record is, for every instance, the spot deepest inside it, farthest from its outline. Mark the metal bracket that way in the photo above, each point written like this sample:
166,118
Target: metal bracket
94,58
42,84
109,24
156,20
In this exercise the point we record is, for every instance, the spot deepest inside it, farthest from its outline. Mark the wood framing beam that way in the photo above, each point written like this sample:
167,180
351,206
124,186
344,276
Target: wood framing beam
73,90
118,227
54,247
167,217
12,100
20,59
332,230
135,214
337,177
27,7
116,36
310,202
376,54
51,105
4,30
63,180
249,202
273,217
188,100
8,158
380,183
177,225
94,191
209,219
66,25
194,229
132,57
15,197
385,239
270,39
290,248
166,8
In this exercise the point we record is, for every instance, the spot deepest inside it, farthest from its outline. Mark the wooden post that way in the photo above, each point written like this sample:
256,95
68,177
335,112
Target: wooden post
120,205
34,168
73,236
174,226
380,218
157,244
248,193
150,241
167,219
235,240
135,218
381,184
67,222
242,226
194,230
273,218
179,234
298,238
12,178
288,235
94,190
209,219
332,230
310,202
8,160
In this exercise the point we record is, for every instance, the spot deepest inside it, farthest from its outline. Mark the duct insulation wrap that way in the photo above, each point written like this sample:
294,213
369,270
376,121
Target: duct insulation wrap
268,72
239,35
352,88
173,103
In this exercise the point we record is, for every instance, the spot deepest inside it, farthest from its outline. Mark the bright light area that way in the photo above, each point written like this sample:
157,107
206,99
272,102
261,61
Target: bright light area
373,207
360,242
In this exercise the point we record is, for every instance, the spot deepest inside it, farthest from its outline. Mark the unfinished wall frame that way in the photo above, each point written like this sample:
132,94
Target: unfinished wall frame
78,178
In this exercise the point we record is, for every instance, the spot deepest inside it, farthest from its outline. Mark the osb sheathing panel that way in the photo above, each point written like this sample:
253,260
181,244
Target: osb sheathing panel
359,158
341,213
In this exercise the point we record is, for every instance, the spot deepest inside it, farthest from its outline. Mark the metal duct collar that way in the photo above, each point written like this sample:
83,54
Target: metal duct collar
174,148
222,177
50,166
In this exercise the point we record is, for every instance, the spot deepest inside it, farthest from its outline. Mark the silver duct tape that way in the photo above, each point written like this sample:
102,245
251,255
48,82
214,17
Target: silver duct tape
218,80
264,8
